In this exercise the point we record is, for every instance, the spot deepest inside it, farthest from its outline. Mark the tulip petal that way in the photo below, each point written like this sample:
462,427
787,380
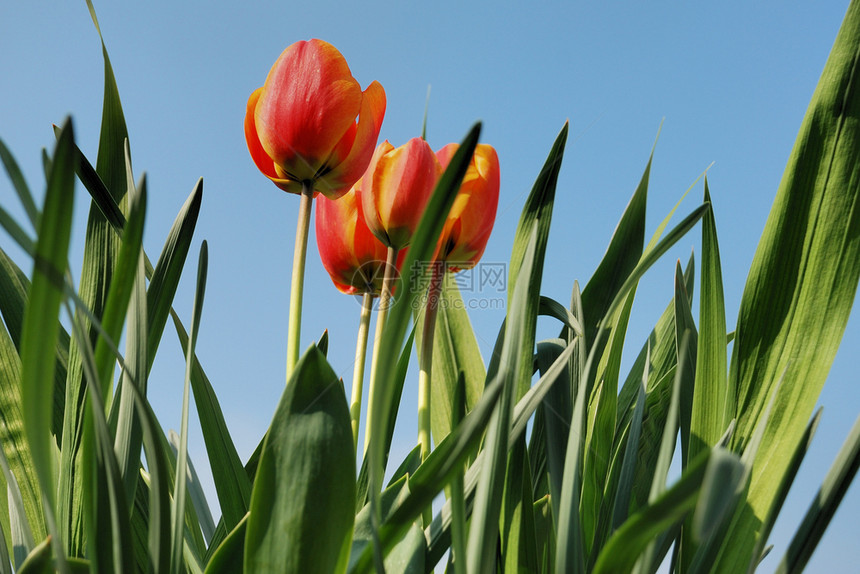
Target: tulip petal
445,154
369,203
470,220
403,181
261,159
310,100
347,169
351,254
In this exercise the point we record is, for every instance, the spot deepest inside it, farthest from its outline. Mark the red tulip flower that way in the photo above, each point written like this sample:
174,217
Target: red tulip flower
397,187
470,221
301,125
352,255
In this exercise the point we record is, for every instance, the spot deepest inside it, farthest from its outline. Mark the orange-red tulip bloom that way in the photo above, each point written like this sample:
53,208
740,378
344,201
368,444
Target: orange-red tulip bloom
301,125
470,221
397,187
352,255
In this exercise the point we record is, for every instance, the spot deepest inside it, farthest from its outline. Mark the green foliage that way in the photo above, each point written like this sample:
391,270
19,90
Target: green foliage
301,512
566,473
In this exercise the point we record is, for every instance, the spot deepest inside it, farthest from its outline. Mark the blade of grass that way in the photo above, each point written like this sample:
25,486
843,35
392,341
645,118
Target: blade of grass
195,492
651,559
100,252
20,533
180,483
712,406
626,544
128,437
685,327
164,279
622,255
41,326
459,532
20,185
15,455
484,533
802,282
824,505
5,561
621,504
232,484
442,462
362,495
227,559
103,468
600,435
760,551
536,214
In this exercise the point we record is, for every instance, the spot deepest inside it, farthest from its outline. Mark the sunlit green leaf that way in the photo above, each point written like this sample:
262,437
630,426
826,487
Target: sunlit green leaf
802,282
304,492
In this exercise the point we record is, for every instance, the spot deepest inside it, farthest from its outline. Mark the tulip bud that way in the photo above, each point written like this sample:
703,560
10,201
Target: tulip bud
470,221
301,125
397,186
352,255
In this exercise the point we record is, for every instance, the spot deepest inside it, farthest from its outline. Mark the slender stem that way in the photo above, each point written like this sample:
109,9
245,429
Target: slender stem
384,304
426,360
358,372
295,326
456,491
425,364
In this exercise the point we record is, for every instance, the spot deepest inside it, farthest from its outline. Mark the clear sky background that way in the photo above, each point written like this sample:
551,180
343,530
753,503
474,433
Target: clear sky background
732,81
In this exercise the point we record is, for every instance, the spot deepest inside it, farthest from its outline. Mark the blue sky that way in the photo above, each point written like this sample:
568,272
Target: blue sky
731,80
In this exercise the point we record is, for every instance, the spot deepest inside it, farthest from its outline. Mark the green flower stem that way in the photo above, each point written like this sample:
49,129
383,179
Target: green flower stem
299,255
358,372
426,360
384,304
425,364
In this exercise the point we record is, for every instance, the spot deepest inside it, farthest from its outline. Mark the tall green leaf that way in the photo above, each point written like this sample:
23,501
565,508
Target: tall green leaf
421,249
455,350
12,438
110,492
621,257
41,326
444,461
802,282
483,533
304,493
180,482
100,251
164,279
602,413
537,214
627,543
713,401
232,484
123,414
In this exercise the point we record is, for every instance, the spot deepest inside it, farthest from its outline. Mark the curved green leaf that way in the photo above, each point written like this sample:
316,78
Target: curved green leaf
304,493
802,283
